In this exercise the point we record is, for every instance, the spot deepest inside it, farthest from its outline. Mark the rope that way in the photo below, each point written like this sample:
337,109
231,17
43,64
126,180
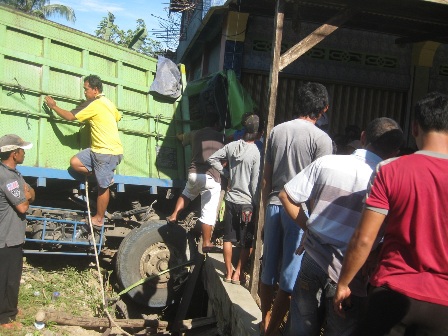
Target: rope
100,277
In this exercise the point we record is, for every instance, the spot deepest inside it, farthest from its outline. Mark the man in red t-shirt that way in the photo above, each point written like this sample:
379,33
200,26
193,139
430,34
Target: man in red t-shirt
409,195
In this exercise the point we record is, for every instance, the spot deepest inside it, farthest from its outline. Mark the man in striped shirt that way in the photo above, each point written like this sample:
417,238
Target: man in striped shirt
335,185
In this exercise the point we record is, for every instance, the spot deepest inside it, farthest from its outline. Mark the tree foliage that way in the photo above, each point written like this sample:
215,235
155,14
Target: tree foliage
42,8
109,31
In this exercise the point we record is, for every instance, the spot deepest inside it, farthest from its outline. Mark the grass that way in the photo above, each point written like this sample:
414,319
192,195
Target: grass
74,279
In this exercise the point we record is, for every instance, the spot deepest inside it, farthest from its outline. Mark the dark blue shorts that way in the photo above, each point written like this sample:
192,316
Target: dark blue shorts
103,165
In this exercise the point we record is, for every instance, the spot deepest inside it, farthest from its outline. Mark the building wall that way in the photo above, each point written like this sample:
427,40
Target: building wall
439,71
348,56
213,56
350,104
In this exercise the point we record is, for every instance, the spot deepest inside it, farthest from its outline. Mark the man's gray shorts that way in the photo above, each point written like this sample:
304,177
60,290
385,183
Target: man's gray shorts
103,165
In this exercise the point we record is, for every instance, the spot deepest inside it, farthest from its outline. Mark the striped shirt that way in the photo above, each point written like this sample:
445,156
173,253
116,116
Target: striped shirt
336,186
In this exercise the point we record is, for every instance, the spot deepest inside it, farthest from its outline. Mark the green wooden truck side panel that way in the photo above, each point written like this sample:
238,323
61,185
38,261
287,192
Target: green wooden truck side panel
39,58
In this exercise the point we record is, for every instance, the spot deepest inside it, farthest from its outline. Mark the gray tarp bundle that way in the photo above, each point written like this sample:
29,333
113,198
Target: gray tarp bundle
168,79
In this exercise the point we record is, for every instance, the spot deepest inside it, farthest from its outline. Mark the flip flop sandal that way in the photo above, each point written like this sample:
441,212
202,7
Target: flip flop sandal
227,280
170,222
97,227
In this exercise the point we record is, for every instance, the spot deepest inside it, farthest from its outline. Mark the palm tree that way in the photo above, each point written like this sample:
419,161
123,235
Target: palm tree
42,8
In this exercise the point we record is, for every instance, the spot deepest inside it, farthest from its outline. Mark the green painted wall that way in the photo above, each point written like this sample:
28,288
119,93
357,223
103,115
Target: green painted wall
46,58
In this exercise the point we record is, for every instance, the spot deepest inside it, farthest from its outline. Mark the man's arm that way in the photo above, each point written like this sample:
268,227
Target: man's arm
215,161
29,193
357,252
255,180
64,114
293,209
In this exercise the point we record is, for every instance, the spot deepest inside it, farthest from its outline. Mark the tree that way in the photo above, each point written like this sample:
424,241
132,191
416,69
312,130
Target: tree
41,8
109,31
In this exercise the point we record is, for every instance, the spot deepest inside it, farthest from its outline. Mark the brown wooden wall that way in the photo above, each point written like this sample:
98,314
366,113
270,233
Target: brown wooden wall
349,104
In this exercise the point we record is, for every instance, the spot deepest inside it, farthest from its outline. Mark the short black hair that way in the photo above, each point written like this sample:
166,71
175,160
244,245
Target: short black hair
431,112
94,82
310,100
212,119
5,155
384,135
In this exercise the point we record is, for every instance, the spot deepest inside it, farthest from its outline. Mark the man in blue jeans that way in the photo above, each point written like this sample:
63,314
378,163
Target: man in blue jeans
336,186
291,147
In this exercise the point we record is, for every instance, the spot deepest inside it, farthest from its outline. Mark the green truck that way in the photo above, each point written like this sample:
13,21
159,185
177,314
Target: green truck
39,58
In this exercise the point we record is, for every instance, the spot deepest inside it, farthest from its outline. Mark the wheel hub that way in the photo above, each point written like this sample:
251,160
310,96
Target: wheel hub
155,260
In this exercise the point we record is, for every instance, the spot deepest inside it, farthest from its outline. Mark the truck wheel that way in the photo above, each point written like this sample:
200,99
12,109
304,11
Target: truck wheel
148,250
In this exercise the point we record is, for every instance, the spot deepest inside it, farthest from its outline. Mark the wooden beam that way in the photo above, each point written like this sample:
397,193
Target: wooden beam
188,293
273,84
315,37
63,318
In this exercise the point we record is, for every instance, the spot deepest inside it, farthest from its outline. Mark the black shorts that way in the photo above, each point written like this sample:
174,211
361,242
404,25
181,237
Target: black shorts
233,225
392,313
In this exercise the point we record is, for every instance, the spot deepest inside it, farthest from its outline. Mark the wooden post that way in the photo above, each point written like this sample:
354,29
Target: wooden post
273,81
315,37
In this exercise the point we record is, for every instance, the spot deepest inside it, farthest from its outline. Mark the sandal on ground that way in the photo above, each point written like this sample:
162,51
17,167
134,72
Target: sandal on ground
227,280
97,227
171,222
211,249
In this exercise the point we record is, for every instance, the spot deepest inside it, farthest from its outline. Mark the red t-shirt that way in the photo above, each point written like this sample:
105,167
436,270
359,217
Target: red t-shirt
414,257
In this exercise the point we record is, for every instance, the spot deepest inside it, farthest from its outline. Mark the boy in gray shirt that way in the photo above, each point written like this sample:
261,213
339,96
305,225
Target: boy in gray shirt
242,168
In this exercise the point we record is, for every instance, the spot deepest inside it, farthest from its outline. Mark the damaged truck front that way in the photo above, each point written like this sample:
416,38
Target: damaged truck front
39,58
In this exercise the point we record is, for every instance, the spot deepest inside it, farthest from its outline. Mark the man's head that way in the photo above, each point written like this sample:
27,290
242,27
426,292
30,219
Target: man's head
12,146
383,136
93,86
212,119
431,112
311,101
251,123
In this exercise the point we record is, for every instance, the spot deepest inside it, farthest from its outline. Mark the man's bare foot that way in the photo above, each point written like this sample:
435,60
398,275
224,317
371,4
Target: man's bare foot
237,277
12,325
96,223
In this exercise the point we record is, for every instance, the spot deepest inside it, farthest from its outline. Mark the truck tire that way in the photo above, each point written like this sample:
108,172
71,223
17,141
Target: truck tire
146,251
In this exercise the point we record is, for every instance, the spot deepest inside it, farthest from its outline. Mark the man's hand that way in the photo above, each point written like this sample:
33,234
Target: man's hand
64,114
246,213
341,300
50,102
29,193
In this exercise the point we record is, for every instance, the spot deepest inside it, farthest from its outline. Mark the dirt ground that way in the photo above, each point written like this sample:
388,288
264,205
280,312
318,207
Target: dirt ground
65,284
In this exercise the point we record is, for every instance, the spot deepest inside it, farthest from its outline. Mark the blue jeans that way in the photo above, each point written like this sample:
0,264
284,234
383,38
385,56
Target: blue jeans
281,239
312,304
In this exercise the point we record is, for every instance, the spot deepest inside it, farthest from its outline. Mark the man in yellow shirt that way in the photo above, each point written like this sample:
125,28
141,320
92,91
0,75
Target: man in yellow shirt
106,150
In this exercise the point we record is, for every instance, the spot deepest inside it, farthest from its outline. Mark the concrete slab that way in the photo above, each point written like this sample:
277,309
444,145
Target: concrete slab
235,310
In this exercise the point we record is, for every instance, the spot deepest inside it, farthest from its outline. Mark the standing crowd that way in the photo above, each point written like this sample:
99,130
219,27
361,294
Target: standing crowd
353,244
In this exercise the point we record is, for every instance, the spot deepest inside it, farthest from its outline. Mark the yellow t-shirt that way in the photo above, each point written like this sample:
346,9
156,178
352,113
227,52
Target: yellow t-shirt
103,117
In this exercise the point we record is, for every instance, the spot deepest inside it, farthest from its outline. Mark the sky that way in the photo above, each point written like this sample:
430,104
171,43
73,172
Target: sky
89,13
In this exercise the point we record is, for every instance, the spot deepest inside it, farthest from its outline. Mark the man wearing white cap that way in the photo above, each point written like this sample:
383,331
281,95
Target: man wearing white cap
15,198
